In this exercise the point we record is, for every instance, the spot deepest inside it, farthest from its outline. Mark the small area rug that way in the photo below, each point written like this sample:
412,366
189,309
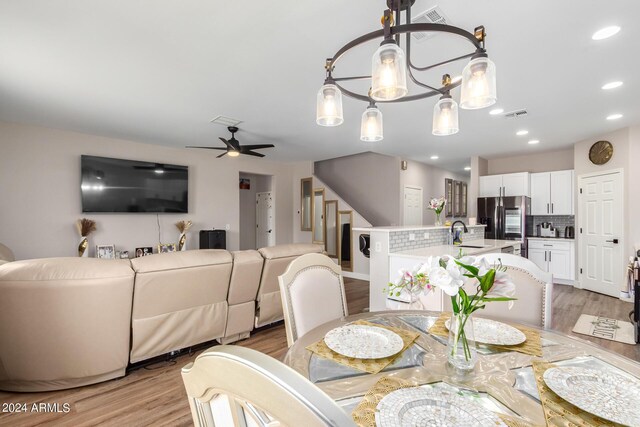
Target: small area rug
606,328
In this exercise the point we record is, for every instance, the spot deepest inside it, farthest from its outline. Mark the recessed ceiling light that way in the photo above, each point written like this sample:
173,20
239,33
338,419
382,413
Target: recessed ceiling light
612,85
534,141
606,32
434,157
522,132
467,168
614,116
496,111
456,79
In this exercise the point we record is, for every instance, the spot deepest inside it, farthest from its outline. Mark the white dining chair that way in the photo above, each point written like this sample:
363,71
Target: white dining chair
236,386
312,292
534,292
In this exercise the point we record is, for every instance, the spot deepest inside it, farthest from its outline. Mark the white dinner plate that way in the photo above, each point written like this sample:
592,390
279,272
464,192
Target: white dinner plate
602,393
423,407
363,342
487,331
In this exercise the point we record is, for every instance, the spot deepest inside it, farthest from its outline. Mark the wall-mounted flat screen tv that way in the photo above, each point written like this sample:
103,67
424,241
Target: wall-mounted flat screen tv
116,185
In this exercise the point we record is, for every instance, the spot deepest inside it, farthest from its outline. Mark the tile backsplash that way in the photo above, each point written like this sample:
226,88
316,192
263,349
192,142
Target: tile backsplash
558,221
400,240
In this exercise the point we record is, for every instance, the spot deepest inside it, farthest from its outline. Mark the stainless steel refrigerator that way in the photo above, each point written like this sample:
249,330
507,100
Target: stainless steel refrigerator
505,218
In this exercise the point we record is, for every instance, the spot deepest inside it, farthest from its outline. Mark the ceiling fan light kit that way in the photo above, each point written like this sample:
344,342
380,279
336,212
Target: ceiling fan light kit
391,66
234,149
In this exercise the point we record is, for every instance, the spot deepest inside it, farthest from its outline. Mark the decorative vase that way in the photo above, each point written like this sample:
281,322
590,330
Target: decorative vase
182,242
438,222
462,345
414,298
83,247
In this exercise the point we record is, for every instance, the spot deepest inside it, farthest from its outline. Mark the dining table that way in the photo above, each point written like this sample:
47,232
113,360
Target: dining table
502,381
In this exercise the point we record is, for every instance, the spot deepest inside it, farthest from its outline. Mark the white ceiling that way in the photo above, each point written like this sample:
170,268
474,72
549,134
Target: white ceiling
158,71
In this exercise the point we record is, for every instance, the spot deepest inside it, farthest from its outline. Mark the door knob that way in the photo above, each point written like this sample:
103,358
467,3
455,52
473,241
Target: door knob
614,241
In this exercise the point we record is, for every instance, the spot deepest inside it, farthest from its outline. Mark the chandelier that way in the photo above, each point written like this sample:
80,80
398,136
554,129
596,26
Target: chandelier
391,67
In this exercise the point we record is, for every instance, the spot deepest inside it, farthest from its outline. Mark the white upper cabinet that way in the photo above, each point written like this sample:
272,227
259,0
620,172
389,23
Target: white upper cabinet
491,186
513,184
562,193
552,193
541,193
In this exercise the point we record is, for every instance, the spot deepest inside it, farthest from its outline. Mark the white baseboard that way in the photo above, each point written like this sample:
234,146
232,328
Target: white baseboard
564,282
359,276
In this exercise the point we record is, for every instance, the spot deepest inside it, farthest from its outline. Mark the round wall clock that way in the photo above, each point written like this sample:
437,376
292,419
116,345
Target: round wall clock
601,152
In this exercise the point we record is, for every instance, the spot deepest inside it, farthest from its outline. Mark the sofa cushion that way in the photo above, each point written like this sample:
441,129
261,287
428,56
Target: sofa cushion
65,269
290,250
176,260
245,276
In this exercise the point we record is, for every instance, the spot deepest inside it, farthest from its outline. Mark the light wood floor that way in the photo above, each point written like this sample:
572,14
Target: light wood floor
157,397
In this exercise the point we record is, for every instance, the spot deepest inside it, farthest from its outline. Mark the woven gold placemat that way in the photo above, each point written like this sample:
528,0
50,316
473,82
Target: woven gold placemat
372,366
364,414
532,345
557,411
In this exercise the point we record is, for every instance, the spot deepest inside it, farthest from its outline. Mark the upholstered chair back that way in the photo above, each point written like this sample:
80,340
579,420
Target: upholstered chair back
6,254
312,292
237,386
276,261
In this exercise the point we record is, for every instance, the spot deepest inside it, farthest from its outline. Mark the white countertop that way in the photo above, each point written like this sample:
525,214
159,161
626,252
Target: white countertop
390,228
489,245
560,239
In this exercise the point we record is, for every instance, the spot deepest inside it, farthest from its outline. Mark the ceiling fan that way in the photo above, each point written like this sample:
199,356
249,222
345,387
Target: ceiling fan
233,147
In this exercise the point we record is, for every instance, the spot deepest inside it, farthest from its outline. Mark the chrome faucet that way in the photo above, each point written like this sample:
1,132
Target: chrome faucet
457,240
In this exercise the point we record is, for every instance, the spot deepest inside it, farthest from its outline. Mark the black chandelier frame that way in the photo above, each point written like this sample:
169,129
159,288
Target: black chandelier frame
391,33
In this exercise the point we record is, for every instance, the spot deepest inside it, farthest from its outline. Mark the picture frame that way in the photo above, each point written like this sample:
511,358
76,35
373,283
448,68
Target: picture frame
144,251
106,251
164,248
124,255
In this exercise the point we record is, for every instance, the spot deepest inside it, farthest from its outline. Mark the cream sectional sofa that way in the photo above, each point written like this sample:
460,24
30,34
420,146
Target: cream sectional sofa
68,322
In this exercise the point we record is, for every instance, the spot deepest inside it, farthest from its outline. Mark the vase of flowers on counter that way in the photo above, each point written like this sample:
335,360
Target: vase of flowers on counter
413,283
437,204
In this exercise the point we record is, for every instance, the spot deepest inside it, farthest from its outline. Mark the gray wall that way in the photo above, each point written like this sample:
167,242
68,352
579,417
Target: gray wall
547,161
259,183
369,182
431,180
40,194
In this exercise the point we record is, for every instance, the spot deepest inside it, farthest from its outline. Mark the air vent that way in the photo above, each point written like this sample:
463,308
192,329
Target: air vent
515,114
429,16
225,121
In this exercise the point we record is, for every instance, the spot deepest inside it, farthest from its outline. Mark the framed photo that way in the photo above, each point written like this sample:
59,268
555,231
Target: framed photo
106,251
144,251
245,184
164,248
124,255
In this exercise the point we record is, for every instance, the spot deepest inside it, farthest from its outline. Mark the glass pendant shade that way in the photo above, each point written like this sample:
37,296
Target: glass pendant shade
329,106
371,126
478,84
445,117
388,73
233,153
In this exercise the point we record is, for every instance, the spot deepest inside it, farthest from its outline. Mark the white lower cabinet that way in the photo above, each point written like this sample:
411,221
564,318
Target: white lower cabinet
554,256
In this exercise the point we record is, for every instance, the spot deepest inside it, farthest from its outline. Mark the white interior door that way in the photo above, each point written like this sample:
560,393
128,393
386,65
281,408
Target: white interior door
412,206
600,233
265,220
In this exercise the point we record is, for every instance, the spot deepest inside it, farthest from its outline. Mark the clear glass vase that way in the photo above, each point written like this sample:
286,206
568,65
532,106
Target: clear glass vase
414,298
438,222
461,348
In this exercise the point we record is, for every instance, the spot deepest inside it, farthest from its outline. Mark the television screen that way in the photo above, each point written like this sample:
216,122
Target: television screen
115,185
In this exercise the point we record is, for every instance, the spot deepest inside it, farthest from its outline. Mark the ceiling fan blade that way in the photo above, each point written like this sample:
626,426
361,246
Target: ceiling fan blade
223,154
253,153
256,147
227,143
208,148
